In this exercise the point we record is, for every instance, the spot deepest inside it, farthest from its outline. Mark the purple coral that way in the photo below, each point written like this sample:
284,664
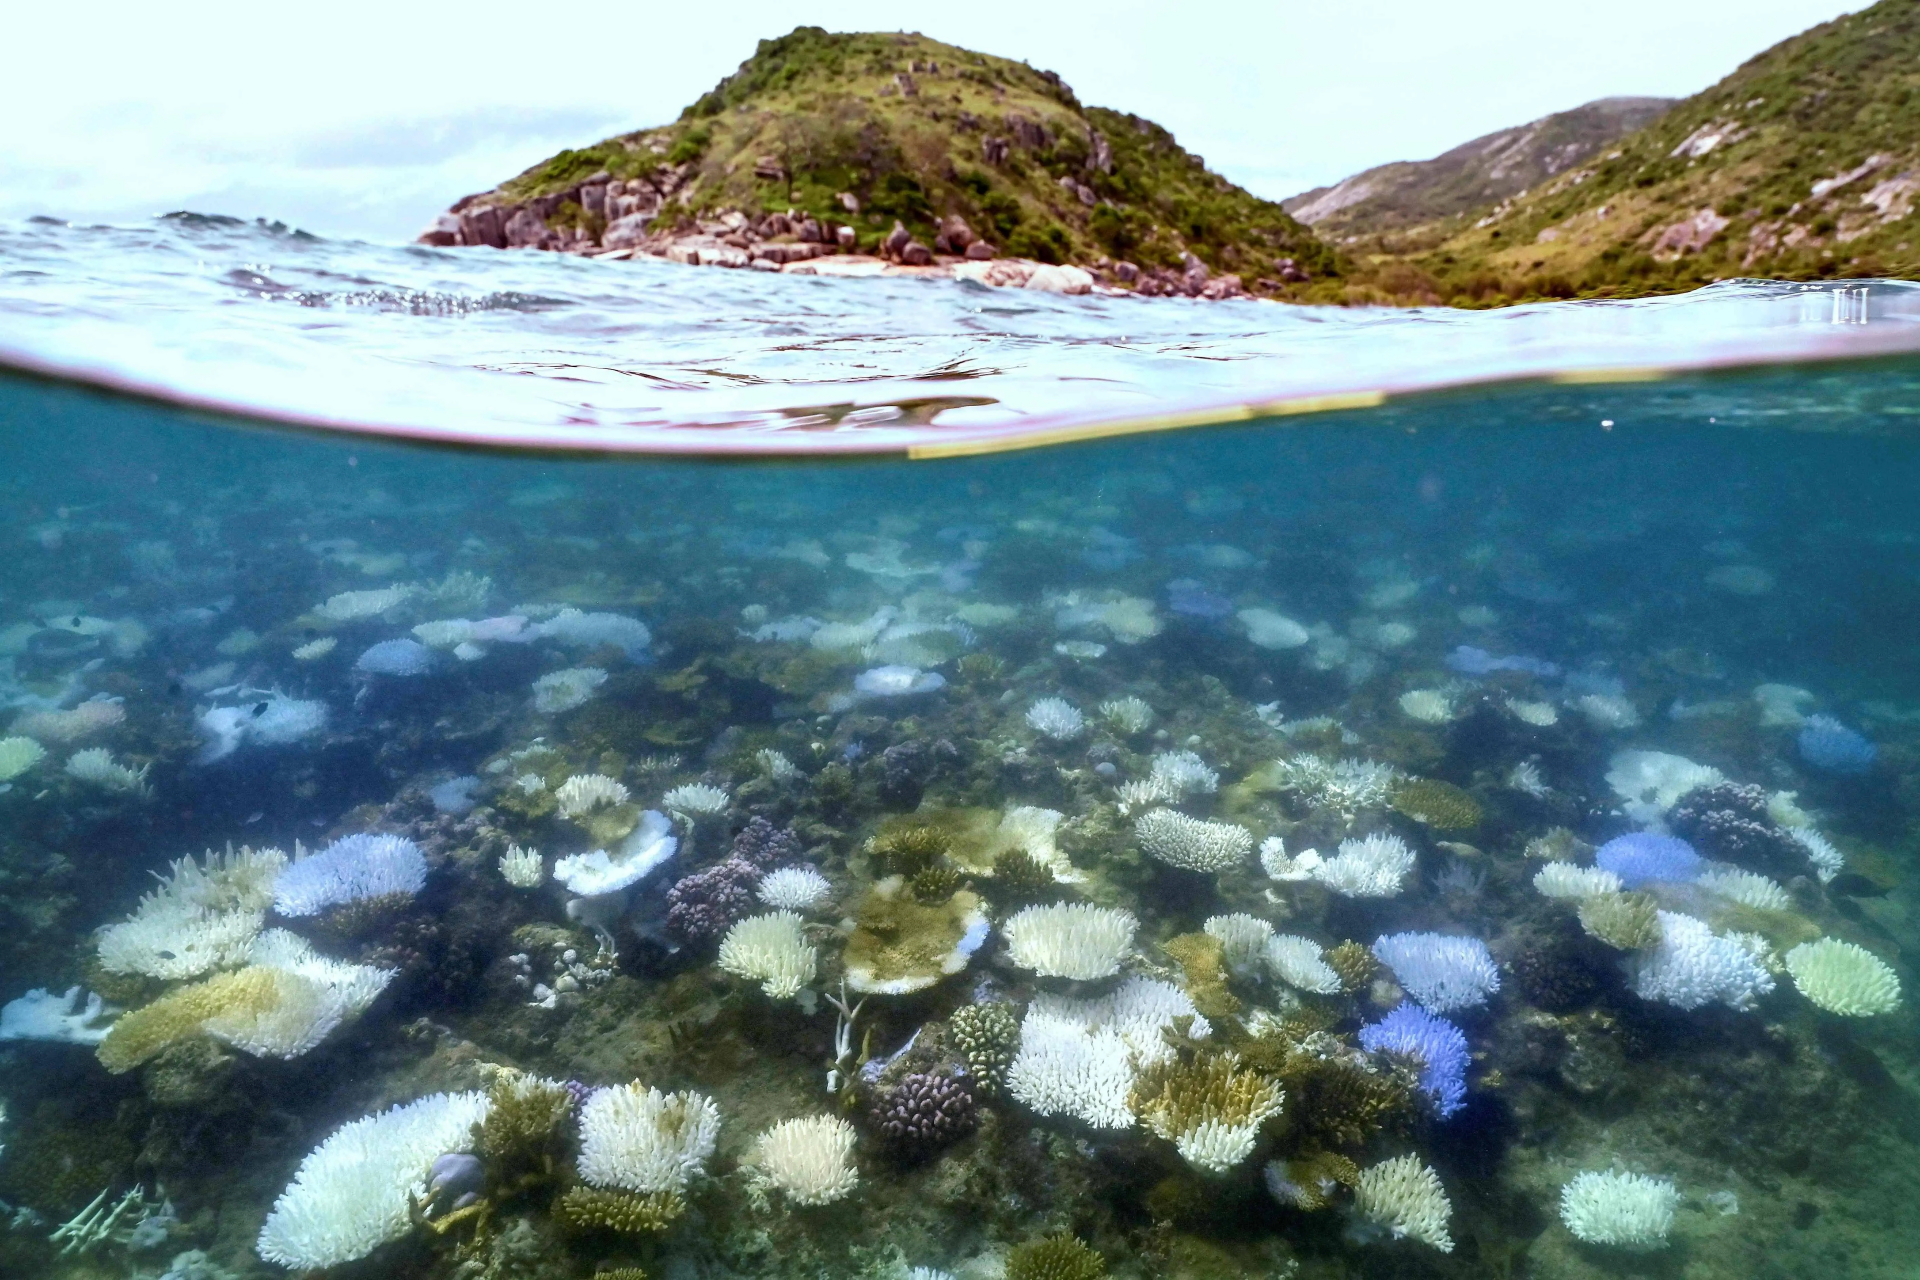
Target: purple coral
1642,857
764,846
704,905
926,1109
1729,820
1439,1047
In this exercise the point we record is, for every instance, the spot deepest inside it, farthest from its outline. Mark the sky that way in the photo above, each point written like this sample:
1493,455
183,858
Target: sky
364,119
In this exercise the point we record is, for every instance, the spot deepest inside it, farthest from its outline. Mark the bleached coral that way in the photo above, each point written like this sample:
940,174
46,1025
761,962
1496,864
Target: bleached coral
1691,967
93,716
1345,786
1269,630
771,949
1056,718
1078,1057
1404,1196
566,689
695,798
17,755
1844,978
205,915
793,889
810,1159
1607,710
644,851
1782,705
1070,940
1569,880
523,868
311,996
265,717
1281,865
1826,860
591,630
1211,1108
1428,706
352,868
1190,843
1128,715
352,1193
1651,782
1374,867
778,767
97,767
1540,715
1301,962
639,1139
1127,619
584,792
1747,888
77,1017
1443,973
355,606
1630,1210
1182,773
314,650
1243,939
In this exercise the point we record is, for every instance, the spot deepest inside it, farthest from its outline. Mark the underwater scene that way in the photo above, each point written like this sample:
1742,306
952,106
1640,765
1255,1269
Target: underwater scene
1477,835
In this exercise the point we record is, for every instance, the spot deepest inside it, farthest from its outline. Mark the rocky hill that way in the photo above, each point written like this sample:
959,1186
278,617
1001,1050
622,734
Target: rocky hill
1802,164
1472,176
915,153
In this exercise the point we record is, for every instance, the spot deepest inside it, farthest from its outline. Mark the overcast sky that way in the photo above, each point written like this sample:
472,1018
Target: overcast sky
356,118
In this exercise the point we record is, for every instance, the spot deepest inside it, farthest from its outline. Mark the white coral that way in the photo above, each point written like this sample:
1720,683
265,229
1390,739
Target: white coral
1826,860
584,792
205,915
1567,880
523,868
1301,962
1843,978
352,1193
1747,888
771,949
1428,706
312,996
1070,940
1243,939
1374,867
1078,1057
566,689
598,872
695,799
793,889
1129,715
1626,1209
1442,972
1190,843
1651,782
77,1017
810,1159
97,767
1405,1196
1056,718
1691,967
640,1139
17,755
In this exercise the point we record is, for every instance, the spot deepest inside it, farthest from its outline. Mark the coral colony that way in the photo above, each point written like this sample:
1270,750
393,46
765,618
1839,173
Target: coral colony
727,883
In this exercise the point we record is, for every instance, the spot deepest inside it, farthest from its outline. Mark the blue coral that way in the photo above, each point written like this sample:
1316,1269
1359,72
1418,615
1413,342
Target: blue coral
1643,857
1436,1044
1828,745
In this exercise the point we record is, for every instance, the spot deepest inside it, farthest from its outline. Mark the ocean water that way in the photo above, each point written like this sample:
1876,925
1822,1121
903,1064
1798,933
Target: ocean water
1466,830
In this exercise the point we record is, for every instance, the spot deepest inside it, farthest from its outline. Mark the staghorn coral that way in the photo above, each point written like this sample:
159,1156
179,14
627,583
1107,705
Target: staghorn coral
599,1209
1628,921
1244,940
143,1033
635,1138
793,889
1336,1098
1127,715
1374,867
523,1136
931,886
1061,1257
1440,805
523,868
1209,1105
986,1035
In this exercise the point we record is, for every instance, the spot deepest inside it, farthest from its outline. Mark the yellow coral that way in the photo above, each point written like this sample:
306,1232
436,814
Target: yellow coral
1179,1094
907,847
247,994
900,945
597,1209
1440,805
1339,1102
1311,1180
1203,958
1354,963
1060,1257
1628,921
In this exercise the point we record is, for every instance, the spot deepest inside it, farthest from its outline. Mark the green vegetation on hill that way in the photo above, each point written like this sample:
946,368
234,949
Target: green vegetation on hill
917,130
1802,164
1434,195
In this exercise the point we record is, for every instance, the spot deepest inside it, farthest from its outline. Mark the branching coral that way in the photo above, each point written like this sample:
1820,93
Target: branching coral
1628,921
638,1139
809,1159
1441,972
1843,978
1209,1105
1054,1258
986,1035
1625,1209
599,1209
1070,940
1405,1197
1190,843
1202,958
771,949
1440,805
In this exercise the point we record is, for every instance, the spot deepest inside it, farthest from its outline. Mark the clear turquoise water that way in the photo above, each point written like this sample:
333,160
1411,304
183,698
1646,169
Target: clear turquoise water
1669,547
